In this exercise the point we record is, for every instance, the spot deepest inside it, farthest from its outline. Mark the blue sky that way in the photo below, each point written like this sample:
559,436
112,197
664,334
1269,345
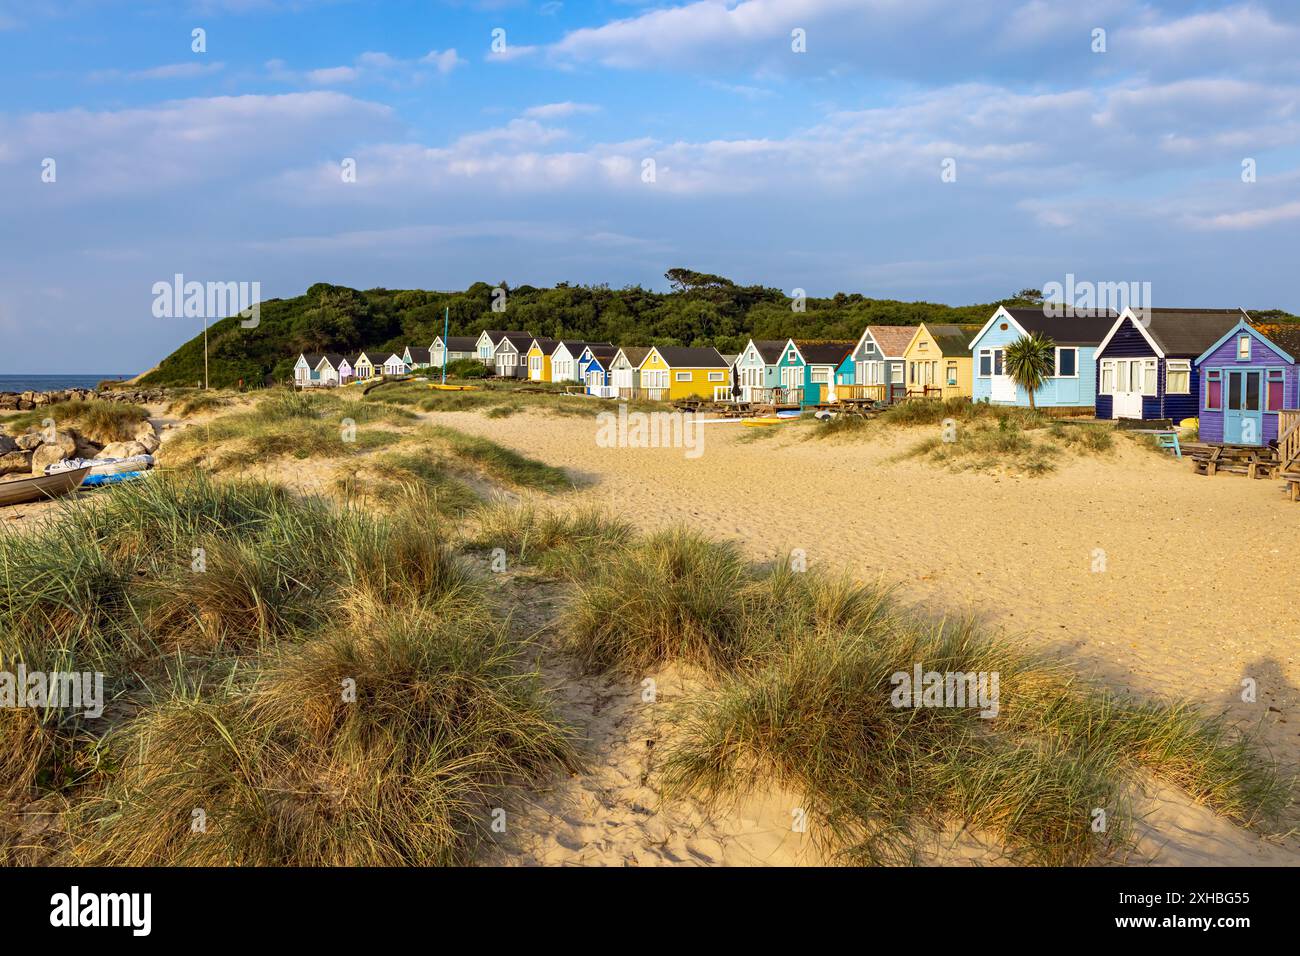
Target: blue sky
818,170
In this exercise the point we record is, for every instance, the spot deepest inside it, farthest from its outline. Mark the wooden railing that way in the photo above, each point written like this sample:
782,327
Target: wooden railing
781,395
862,393
1288,438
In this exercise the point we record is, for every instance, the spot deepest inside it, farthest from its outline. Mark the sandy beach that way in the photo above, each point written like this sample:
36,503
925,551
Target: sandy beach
1197,591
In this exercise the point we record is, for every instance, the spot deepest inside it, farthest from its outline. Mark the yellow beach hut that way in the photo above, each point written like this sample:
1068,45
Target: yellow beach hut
939,362
674,372
539,359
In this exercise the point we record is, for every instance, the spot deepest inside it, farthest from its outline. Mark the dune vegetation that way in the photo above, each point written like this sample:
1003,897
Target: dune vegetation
99,421
288,683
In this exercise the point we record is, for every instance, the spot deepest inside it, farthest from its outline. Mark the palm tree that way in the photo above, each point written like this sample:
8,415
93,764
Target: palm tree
1029,360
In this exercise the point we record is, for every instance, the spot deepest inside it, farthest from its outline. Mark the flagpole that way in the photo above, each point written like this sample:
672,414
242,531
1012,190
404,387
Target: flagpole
446,350
205,350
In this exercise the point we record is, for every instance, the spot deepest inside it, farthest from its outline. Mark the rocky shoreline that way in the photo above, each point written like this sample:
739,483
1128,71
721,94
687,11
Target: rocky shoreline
25,401
41,446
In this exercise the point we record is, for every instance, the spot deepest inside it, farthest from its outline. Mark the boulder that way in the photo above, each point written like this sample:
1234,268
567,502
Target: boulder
123,449
47,455
15,461
66,440
7,444
146,436
28,442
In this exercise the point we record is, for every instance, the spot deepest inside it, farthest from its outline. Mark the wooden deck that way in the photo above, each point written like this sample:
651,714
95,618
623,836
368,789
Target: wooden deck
1288,450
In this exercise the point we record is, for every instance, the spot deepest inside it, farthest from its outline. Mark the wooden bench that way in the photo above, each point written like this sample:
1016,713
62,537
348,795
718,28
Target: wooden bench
1165,438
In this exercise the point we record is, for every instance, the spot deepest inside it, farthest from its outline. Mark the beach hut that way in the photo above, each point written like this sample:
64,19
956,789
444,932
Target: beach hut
564,360
879,361
790,374
758,367
417,356
938,361
510,354
1246,379
821,361
1073,382
304,370
539,359
334,369
362,367
457,348
676,372
485,346
596,362
625,370
396,365
1146,364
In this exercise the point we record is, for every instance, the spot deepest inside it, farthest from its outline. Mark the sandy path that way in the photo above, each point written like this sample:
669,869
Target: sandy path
1198,592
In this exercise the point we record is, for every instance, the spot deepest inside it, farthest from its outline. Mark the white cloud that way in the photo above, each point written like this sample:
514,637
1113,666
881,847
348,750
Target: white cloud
555,110
169,71
370,66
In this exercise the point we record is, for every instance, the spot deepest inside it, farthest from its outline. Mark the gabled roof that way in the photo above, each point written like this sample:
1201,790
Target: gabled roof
951,339
519,340
1244,326
1286,337
460,343
635,354
824,353
677,356
547,346
769,350
311,358
494,335
363,354
729,359
418,353
575,346
892,340
1181,333
394,355
1080,329
333,358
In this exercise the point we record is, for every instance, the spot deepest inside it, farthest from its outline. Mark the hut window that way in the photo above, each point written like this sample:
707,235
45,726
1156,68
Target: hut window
1178,377
952,373
1214,391
821,376
1108,377
897,374
1273,394
1243,348
682,376
986,363
1149,377
1067,363
716,376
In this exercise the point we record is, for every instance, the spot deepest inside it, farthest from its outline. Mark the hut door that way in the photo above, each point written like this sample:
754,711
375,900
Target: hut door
1243,415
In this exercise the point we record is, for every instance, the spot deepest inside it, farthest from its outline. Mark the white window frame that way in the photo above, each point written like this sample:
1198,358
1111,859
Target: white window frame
1150,365
717,376
1178,366
1057,367
979,363
1243,345
820,375
1107,371
681,376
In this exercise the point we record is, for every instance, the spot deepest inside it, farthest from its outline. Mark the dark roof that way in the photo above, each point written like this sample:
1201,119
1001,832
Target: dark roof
334,358
952,339
601,351
546,345
678,356
461,343
418,353
824,353
770,350
493,334
313,358
520,340
1285,337
1082,328
1189,331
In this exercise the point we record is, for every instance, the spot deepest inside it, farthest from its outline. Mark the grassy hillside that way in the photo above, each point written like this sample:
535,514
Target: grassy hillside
701,309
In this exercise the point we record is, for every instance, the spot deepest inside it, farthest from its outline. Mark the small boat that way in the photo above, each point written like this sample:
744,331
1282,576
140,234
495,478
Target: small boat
113,478
765,420
41,486
454,388
102,466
